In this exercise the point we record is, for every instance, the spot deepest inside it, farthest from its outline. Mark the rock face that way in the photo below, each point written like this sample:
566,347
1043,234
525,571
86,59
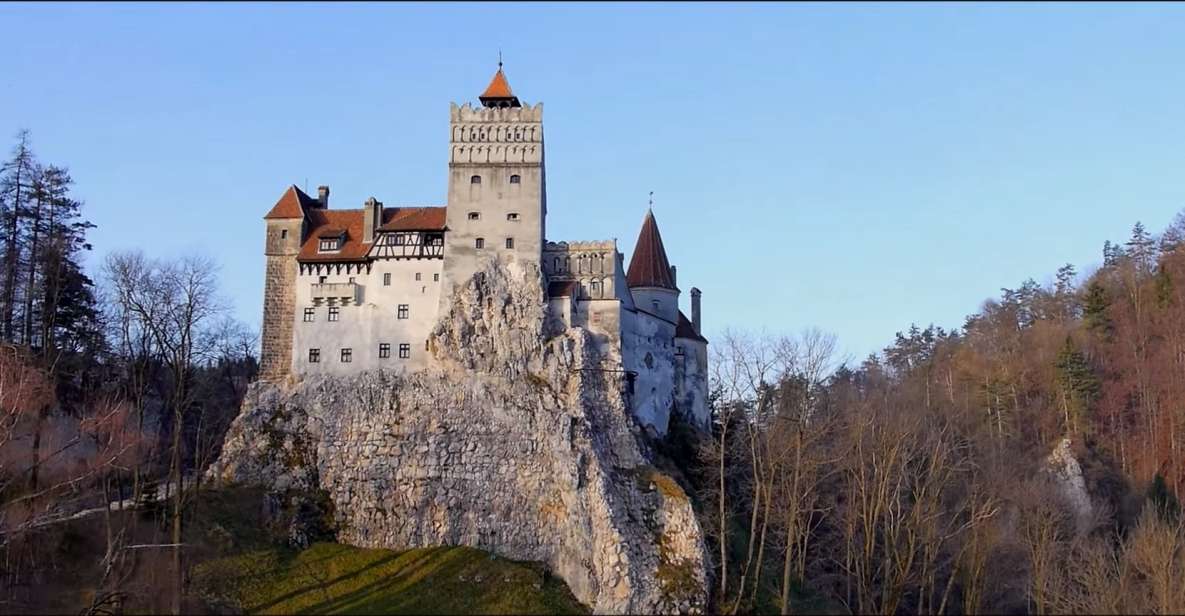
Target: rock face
1067,476
505,444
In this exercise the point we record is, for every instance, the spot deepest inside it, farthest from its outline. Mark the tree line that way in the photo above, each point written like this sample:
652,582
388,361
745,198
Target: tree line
115,389
1029,461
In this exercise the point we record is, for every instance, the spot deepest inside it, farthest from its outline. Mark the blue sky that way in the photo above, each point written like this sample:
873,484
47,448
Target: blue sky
851,167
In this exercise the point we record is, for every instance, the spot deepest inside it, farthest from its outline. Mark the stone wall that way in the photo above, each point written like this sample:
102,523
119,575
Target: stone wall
505,443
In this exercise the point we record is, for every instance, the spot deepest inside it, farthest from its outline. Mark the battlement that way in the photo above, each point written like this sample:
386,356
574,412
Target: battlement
469,113
565,260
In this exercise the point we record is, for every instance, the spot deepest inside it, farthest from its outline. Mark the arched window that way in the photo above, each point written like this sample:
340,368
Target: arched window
475,179
515,179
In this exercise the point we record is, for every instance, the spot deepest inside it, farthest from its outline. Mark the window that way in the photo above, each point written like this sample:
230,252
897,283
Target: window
512,216
655,304
384,350
283,234
309,314
351,280
479,243
404,351
435,239
475,179
321,279
435,277
417,276
347,355
514,179
329,244
510,242
474,216
402,314
400,239
314,356
387,279
333,313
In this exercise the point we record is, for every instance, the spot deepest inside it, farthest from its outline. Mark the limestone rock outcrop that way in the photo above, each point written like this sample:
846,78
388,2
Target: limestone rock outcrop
513,442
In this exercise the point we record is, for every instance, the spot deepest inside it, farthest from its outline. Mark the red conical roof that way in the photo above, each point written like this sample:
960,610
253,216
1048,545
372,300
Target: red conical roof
499,87
649,266
498,93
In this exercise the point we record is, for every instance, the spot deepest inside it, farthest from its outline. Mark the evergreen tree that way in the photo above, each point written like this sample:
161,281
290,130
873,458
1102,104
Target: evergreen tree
1094,309
1141,248
1080,388
17,177
1161,497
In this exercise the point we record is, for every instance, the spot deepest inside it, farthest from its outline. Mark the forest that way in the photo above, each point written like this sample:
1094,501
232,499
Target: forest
1028,461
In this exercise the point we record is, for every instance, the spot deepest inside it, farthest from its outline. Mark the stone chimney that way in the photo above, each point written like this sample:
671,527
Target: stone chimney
696,315
372,219
323,196
674,279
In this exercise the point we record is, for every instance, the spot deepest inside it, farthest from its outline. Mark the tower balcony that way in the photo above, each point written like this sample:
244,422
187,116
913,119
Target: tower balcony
344,293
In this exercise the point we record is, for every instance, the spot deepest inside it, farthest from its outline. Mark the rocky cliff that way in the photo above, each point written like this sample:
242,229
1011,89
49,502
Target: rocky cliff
515,441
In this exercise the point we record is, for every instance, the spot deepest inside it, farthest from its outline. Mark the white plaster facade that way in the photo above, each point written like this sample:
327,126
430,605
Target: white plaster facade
386,273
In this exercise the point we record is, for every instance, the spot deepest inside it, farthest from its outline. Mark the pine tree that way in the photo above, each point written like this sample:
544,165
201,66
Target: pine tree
16,183
1080,388
1094,309
1141,248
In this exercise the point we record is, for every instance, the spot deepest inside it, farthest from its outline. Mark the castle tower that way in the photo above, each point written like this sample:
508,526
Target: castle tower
650,276
285,232
497,197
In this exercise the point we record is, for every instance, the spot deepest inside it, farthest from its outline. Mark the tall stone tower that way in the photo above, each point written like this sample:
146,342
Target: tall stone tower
497,195
285,231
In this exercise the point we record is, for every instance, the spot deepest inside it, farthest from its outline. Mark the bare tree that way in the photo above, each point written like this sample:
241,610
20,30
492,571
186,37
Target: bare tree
176,303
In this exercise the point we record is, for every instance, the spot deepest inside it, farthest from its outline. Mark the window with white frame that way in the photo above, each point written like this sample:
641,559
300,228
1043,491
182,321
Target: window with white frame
309,314
334,312
402,312
404,351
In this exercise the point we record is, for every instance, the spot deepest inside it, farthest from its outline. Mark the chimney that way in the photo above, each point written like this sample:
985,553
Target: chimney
372,219
695,311
323,196
674,279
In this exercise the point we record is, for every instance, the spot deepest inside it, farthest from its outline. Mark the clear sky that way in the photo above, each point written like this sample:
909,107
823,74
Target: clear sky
851,167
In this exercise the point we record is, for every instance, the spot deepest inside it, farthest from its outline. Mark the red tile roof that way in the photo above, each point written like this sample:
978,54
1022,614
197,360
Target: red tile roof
684,329
498,88
332,222
292,204
413,219
648,265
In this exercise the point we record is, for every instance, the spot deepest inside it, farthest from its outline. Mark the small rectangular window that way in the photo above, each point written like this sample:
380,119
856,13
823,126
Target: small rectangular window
351,280
283,234
402,314
387,279
512,216
479,243
514,179
384,350
314,356
474,216
321,279
404,351
435,277
347,356
334,311
417,276
330,244
309,314
510,242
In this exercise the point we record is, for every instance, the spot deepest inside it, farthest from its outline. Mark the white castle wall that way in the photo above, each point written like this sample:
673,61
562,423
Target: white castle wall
374,320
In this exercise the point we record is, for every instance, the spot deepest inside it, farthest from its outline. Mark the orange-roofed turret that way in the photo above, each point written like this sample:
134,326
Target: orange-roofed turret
498,93
649,266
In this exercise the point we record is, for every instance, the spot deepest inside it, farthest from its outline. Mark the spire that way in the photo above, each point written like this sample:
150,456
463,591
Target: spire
498,93
649,266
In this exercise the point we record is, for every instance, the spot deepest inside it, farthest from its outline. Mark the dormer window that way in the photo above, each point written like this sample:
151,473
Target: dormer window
514,179
330,244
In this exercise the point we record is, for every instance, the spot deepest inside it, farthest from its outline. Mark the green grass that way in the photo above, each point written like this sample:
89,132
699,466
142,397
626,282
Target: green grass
331,578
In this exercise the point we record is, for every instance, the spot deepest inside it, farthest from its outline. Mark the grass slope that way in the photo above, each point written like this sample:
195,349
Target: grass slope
329,578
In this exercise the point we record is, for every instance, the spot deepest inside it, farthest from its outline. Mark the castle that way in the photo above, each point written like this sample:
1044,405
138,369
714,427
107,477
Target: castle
361,289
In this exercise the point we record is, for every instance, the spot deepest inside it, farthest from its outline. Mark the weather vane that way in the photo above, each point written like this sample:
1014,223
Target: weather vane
652,198
499,57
